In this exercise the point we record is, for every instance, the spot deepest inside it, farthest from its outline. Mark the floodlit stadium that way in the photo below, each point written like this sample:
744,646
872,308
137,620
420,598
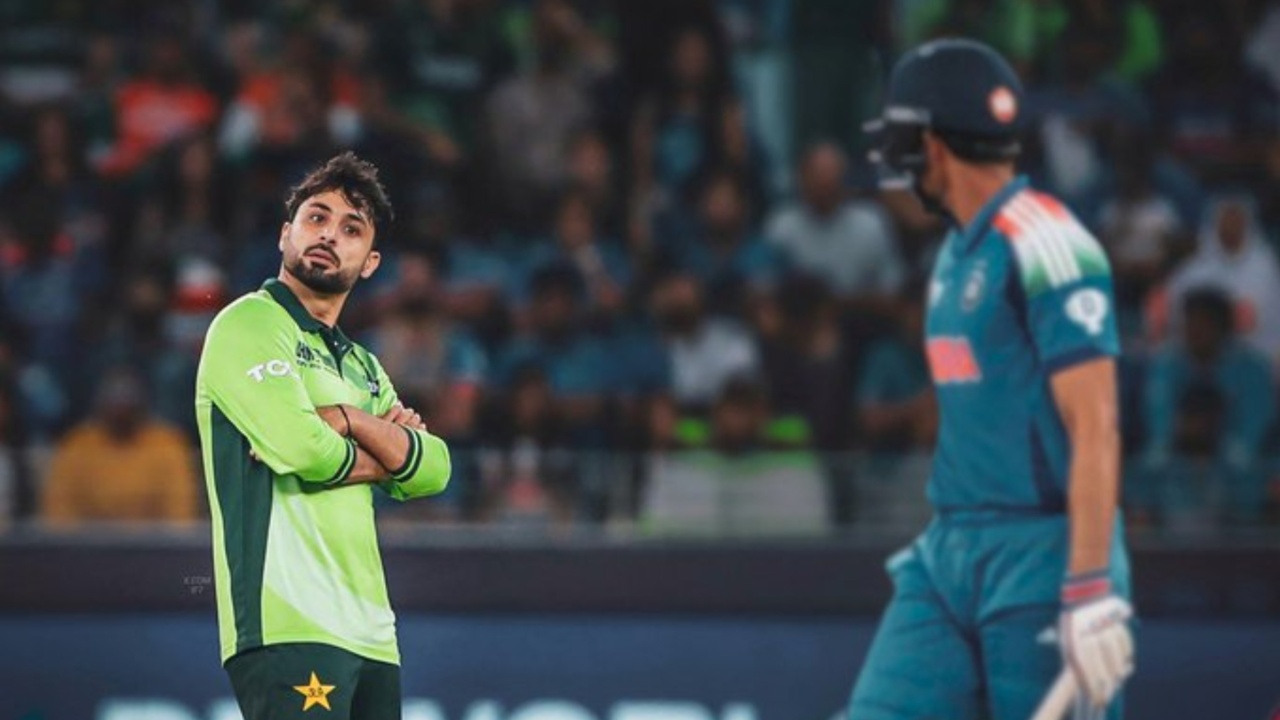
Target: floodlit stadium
662,360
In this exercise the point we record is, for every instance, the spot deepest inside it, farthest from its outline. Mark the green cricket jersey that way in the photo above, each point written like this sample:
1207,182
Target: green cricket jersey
296,554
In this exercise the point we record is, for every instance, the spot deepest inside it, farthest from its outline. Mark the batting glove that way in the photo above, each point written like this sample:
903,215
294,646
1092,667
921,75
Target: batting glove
1096,642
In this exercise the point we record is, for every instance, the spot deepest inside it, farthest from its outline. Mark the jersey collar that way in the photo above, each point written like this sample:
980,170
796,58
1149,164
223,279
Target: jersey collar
977,229
281,293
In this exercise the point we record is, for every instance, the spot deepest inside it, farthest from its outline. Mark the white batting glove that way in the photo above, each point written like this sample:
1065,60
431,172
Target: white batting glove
1096,642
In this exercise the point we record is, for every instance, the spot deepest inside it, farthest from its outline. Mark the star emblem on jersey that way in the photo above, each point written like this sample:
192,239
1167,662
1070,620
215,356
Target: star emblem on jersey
315,693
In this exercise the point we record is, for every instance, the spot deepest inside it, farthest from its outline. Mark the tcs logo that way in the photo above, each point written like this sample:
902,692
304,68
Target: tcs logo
274,368
951,360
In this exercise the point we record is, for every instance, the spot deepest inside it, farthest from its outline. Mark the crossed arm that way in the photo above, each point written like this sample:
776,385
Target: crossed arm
381,442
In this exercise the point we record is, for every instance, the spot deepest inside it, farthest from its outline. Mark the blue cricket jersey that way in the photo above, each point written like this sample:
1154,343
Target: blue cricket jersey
1022,292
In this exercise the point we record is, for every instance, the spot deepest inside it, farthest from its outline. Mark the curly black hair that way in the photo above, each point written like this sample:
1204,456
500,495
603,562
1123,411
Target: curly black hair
356,179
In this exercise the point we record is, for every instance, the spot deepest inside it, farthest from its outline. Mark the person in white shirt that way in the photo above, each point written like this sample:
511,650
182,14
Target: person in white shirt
848,243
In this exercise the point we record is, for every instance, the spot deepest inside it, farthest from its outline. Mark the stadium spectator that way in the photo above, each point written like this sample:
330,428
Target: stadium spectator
47,279
16,461
529,475
182,219
439,368
602,268
576,365
808,369
439,59
300,103
704,353
121,465
1213,109
737,486
139,335
1234,257
94,102
532,117
1139,228
690,125
591,173
1209,397
848,243
1070,118
163,105
723,250
894,395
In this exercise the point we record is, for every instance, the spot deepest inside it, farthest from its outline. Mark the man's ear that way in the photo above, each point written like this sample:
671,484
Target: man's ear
936,154
934,150
284,233
371,264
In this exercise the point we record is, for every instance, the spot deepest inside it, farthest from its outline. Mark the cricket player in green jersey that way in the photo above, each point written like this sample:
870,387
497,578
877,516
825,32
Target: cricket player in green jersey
298,427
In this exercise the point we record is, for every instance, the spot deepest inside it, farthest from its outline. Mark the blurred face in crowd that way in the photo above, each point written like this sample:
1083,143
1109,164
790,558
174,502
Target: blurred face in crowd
575,224
590,165
723,209
677,304
196,163
168,60
552,311
737,423
53,146
822,178
146,301
1233,226
691,60
553,21
417,277
530,402
121,403
1207,329
328,245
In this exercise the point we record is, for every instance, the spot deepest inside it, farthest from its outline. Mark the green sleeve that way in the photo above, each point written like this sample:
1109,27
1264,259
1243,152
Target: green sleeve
248,371
427,467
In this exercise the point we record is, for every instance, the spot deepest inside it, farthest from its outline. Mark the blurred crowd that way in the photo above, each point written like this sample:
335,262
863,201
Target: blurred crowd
640,268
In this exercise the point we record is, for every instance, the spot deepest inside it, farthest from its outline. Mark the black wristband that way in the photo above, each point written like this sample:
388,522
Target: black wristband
343,410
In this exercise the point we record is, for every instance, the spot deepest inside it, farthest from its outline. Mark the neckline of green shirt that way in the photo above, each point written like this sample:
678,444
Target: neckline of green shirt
336,340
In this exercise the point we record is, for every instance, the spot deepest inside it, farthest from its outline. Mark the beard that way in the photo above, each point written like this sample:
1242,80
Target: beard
331,281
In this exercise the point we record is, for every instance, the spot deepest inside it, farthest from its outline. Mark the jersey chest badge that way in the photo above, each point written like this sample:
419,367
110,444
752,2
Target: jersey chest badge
974,286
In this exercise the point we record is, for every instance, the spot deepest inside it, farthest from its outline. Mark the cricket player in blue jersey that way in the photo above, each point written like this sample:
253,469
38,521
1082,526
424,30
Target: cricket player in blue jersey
1022,571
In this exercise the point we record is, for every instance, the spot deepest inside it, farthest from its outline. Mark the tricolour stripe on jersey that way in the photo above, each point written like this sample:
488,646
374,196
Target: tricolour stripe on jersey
1051,247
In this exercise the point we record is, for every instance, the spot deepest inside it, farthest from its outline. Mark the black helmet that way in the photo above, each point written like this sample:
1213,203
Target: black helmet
963,91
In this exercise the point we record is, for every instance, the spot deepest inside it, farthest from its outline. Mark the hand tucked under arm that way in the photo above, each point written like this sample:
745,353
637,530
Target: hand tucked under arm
385,441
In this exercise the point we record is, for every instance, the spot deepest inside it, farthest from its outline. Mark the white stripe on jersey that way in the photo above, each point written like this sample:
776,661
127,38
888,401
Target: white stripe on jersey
1031,237
1051,237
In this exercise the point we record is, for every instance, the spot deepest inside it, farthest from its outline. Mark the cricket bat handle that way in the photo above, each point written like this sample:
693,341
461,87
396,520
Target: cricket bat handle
1059,698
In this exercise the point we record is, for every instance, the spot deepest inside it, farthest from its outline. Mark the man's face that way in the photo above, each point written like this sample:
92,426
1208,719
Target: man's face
328,244
722,209
735,424
553,311
1204,336
1233,226
823,178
